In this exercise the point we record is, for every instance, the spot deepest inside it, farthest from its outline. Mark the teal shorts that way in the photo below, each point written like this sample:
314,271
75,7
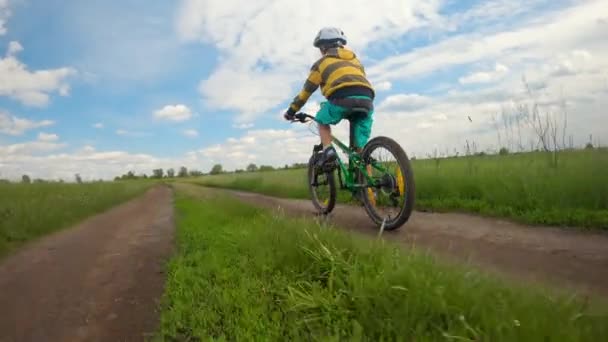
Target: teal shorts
331,114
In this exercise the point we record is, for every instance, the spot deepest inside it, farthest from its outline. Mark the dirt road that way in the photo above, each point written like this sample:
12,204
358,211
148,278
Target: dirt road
566,258
98,281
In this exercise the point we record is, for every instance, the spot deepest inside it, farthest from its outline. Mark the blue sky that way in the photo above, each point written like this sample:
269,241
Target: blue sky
101,88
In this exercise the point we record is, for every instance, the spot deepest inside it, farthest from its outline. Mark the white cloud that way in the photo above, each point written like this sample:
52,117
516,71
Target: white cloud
87,149
31,88
543,37
47,137
5,13
440,117
583,54
87,162
44,144
265,146
485,76
383,86
98,125
404,102
266,47
249,92
242,125
28,148
126,133
14,48
192,133
424,124
13,125
575,62
177,112
33,159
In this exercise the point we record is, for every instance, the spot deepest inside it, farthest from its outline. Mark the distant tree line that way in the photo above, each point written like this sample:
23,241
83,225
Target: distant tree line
216,169
182,172
26,179
161,173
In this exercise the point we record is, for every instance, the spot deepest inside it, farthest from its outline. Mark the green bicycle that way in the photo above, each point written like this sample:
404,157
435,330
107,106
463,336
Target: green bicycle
385,186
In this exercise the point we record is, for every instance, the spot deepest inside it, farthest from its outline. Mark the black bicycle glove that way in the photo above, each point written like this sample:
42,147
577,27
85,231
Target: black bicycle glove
289,115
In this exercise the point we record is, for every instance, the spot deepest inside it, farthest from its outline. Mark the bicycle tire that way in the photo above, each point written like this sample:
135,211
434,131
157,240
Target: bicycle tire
323,208
405,167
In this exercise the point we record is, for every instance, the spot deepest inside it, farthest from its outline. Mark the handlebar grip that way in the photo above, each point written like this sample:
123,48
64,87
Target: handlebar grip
301,117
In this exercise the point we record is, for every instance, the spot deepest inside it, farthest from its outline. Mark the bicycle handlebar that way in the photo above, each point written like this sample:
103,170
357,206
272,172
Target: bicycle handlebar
301,117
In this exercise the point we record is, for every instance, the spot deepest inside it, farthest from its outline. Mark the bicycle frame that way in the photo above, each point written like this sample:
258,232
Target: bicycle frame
346,175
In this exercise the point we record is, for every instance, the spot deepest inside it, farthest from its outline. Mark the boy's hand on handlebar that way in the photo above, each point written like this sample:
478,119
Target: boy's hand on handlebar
289,116
296,117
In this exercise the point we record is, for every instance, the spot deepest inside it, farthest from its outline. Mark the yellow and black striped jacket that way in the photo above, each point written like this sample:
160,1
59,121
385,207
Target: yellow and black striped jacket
339,74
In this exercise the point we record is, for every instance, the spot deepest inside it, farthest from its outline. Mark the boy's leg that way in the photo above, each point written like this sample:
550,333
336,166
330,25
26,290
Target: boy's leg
325,133
329,114
363,130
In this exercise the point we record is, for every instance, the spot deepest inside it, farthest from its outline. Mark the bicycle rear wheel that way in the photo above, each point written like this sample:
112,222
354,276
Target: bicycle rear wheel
392,199
322,187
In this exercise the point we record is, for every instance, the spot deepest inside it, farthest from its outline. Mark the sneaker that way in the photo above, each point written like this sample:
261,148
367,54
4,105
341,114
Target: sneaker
328,156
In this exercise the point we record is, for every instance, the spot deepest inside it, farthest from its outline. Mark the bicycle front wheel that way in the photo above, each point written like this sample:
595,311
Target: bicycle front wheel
389,199
322,187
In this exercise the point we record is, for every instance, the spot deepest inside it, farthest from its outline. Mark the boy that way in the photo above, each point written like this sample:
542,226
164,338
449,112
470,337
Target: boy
343,82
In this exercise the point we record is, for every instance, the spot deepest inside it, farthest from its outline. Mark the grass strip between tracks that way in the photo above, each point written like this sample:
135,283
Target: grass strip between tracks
243,273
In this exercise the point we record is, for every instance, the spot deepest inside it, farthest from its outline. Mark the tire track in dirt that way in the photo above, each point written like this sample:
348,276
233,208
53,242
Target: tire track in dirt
573,260
98,281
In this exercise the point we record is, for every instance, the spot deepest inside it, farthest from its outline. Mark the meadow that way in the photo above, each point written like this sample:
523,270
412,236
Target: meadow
528,187
244,273
28,211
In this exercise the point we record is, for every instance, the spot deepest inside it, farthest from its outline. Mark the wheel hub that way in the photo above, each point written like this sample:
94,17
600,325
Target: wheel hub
388,184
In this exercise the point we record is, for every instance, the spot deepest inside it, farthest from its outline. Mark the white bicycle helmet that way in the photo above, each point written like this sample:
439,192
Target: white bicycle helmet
328,36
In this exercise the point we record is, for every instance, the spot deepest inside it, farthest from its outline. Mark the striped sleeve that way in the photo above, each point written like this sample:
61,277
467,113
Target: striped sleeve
310,86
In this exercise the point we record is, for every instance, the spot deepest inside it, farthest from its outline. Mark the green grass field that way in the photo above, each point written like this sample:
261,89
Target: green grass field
520,186
242,273
28,211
